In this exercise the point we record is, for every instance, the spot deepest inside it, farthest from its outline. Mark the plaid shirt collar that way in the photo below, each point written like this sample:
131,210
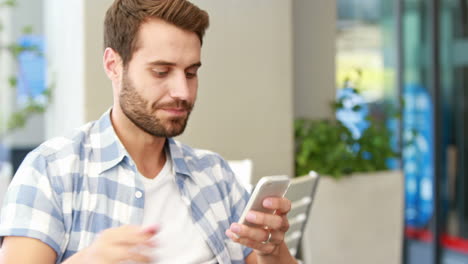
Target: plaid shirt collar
110,152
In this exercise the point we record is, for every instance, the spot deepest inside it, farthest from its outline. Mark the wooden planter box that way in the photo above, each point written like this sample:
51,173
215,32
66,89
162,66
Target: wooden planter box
356,220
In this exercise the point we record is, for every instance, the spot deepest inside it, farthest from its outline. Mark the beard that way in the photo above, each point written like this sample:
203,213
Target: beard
143,115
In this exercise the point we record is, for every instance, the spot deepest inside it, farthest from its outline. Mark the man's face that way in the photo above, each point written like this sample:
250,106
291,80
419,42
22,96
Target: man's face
159,84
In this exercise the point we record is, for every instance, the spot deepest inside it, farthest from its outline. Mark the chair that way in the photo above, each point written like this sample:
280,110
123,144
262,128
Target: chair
243,170
301,193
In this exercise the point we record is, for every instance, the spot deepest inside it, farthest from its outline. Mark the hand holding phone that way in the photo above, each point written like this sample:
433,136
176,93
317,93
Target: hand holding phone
269,186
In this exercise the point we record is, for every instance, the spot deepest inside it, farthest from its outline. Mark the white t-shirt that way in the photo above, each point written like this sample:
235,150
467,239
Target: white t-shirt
179,239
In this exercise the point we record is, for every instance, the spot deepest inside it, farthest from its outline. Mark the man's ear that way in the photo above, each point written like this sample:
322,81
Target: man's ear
112,64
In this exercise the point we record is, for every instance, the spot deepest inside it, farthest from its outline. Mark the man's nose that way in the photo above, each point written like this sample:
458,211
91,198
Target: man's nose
180,88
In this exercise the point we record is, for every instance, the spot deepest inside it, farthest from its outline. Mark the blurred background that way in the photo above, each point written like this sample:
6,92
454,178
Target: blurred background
280,78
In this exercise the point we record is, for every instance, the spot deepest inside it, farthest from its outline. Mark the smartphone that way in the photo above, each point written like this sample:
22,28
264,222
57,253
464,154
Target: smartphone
268,186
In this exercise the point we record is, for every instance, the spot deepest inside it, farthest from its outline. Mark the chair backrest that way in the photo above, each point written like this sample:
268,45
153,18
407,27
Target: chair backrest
243,170
301,193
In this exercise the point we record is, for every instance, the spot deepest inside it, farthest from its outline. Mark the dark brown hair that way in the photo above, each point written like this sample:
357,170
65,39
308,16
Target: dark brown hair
124,18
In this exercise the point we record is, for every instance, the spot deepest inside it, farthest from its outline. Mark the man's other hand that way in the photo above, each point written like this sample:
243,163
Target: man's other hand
115,245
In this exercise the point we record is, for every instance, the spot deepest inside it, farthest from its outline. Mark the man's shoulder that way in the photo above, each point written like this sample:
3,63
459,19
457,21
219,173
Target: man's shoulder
54,158
67,145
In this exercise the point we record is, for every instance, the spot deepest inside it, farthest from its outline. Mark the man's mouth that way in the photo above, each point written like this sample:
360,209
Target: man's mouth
175,111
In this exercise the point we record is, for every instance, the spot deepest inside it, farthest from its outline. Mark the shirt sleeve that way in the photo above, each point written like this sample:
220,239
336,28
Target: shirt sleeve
31,207
239,197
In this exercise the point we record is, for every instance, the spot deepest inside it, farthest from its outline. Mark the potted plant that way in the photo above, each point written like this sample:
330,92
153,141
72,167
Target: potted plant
31,104
357,215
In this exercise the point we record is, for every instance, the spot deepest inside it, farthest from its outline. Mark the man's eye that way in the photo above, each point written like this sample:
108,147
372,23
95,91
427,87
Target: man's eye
190,75
160,72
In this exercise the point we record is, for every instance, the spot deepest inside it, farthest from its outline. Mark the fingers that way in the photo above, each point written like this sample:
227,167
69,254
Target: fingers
135,256
123,243
139,258
263,219
258,235
152,229
281,205
130,235
285,227
255,238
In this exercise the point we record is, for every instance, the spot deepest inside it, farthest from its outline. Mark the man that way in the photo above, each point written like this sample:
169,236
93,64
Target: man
121,190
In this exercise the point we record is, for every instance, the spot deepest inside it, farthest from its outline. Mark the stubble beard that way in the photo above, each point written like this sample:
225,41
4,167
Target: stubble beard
136,108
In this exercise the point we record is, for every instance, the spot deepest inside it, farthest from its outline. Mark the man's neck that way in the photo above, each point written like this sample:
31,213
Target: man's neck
146,150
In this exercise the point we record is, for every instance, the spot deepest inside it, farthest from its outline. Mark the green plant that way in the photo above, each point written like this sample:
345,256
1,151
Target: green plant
328,146
32,106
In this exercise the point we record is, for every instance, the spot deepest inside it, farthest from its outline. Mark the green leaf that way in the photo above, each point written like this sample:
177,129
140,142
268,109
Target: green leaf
326,146
27,30
15,49
13,81
17,120
8,3
356,108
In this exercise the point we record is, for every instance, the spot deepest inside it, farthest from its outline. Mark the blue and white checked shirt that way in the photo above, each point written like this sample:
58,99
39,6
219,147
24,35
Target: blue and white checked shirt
71,188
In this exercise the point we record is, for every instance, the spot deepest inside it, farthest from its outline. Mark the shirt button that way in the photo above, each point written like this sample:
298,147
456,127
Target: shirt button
138,194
